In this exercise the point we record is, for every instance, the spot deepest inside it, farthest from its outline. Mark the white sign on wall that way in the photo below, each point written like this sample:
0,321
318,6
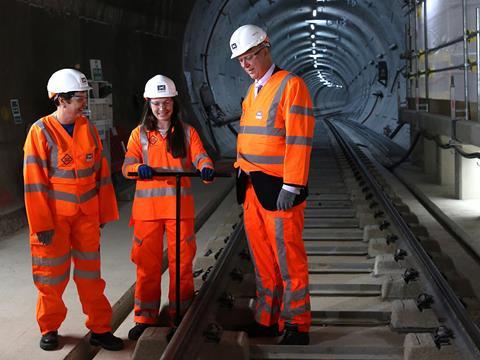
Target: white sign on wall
15,107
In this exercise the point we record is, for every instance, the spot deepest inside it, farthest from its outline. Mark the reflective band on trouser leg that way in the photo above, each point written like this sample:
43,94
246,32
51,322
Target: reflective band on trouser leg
85,235
286,228
51,272
268,278
188,248
147,253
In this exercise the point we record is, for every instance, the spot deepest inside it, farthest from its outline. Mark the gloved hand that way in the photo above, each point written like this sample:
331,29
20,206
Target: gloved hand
207,174
145,172
45,237
285,199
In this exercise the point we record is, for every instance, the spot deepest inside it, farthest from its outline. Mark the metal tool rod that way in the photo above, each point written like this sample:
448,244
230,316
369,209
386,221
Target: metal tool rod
465,58
478,61
178,185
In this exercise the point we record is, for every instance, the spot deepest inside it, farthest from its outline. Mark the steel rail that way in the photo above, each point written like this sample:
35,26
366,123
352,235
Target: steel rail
449,303
179,346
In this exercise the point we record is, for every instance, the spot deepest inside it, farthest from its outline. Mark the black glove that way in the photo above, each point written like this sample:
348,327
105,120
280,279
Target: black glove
145,172
45,237
285,199
207,174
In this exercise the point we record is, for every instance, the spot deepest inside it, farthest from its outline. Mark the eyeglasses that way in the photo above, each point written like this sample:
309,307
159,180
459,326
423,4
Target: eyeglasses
80,97
162,103
250,57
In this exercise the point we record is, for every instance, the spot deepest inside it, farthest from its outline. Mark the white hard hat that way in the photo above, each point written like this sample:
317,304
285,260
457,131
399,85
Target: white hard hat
245,38
66,80
160,86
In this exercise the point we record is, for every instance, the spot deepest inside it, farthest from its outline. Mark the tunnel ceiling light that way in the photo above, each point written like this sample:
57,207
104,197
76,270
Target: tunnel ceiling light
313,44
313,51
315,66
312,36
314,12
312,26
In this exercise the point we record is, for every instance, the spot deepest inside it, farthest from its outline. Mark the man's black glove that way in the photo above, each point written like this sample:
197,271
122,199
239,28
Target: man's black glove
45,237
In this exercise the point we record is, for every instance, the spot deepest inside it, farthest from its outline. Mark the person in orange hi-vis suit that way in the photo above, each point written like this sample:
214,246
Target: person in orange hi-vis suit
273,158
162,143
68,196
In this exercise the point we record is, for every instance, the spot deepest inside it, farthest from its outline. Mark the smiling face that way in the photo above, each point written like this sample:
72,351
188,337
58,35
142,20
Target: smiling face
162,108
74,106
256,61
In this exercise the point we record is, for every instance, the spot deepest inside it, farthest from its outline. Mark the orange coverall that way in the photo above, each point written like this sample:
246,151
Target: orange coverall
68,189
275,137
154,213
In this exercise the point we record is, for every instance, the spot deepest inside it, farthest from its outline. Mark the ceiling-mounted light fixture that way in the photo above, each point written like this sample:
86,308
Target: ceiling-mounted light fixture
314,12
312,26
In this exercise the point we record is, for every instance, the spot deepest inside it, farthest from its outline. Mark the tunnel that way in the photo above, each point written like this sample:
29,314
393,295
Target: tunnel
398,80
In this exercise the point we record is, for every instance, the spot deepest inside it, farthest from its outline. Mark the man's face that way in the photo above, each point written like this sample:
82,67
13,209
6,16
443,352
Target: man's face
255,61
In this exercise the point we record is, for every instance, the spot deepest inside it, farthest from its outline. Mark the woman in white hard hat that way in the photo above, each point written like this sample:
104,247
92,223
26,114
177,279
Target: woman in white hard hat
68,195
162,142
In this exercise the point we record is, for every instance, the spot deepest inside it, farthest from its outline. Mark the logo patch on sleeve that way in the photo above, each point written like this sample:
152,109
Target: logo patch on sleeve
259,115
89,157
153,139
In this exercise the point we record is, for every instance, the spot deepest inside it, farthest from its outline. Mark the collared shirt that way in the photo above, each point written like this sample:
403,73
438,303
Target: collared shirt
263,80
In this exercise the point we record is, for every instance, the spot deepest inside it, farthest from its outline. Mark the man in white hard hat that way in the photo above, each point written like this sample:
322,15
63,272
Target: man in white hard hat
68,197
273,155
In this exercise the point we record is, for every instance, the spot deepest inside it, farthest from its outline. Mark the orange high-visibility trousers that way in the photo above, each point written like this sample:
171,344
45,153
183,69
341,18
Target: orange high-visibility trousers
147,254
280,261
76,237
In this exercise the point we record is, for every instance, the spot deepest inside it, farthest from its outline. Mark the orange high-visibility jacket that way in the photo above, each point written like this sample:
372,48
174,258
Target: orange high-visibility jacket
64,174
155,199
276,129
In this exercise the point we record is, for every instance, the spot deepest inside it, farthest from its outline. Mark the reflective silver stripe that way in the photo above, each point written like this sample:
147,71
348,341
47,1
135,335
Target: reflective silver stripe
86,255
272,112
147,193
143,305
207,164
57,261
64,174
261,130
298,294
148,314
64,196
87,172
104,181
51,143
187,134
30,159
261,159
88,195
298,140
262,292
51,280
282,259
301,110
130,160
144,143
35,188
61,195
199,158
138,240
84,274
289,313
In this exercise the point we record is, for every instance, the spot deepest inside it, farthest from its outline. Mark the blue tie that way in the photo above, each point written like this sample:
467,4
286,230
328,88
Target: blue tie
259,87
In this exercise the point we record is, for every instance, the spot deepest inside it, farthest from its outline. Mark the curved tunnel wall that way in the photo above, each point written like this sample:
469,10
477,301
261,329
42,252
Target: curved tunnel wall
336,51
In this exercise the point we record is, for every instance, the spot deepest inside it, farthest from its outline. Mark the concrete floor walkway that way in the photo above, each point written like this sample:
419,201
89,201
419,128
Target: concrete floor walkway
19,333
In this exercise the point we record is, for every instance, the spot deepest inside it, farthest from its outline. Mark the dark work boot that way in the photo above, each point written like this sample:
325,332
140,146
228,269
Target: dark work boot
294,337
137,331
49,341
257,330
106,340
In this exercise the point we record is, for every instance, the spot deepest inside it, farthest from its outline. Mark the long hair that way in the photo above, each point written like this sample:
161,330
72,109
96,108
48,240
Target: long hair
175,134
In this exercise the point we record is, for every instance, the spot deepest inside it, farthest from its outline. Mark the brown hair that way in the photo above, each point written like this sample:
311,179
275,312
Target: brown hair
175,134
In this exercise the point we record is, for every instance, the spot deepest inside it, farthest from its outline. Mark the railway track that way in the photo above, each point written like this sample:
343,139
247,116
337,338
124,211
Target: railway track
375,292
